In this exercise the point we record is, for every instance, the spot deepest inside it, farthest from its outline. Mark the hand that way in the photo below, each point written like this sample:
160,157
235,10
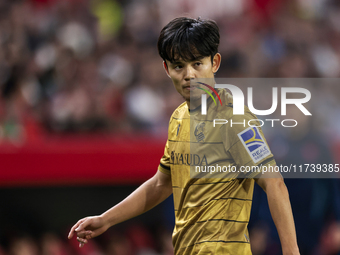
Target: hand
88,228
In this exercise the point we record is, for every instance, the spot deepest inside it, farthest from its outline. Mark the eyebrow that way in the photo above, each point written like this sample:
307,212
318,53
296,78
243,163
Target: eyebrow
181,62
176,63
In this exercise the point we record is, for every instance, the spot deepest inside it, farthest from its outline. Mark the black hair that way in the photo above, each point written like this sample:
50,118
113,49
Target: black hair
188,39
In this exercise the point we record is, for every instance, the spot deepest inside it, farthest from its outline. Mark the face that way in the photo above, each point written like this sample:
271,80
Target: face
181,72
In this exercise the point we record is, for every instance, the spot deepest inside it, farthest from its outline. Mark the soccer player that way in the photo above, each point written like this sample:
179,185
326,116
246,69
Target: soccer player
212,214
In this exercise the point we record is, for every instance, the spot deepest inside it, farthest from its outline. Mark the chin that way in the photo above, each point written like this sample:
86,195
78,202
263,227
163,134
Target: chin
187,99
194,98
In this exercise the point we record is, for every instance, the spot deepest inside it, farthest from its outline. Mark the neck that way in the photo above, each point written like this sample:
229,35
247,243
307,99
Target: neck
193,104
188,103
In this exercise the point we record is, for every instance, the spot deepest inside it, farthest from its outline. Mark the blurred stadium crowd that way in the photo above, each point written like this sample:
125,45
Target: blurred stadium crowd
80,66
134,240
89,66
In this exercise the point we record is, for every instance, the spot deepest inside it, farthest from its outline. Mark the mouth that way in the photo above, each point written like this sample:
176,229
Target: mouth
189,87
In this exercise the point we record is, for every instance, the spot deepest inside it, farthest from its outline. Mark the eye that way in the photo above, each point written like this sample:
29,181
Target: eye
198,63
177,67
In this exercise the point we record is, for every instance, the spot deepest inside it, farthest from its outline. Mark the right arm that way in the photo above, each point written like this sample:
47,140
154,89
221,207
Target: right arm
147,196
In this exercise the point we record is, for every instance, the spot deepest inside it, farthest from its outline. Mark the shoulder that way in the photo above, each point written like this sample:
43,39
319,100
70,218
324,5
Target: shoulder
224,109
180,111
228,107
226,97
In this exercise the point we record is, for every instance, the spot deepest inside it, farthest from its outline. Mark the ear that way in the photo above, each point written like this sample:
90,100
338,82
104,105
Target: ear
216,62
166,69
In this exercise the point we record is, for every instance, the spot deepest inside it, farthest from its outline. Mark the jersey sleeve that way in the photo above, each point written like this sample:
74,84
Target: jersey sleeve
164,165
247,145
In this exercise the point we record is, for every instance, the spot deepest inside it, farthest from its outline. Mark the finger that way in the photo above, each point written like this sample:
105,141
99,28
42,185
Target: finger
81,233
70,235
96,232
88,234
88,237
81,240
83,225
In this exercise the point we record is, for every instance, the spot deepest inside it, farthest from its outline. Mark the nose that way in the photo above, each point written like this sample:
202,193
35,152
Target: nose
189,73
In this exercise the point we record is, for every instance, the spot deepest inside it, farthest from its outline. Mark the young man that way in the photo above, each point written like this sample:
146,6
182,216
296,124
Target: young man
211,213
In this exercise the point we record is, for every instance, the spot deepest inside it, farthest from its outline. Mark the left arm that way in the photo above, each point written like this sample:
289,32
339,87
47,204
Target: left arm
281,211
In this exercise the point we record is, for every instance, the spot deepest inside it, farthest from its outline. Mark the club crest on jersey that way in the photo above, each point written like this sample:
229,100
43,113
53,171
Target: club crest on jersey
253,141
199,132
